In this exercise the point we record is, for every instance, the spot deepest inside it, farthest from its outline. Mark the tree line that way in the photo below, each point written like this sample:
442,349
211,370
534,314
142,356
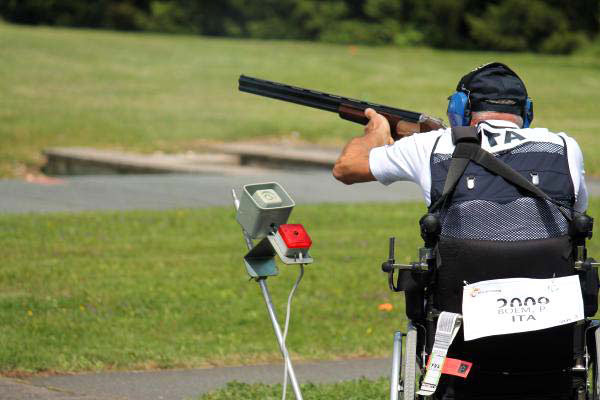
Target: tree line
547,26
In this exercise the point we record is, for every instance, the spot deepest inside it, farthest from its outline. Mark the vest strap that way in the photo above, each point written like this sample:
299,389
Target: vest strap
463,134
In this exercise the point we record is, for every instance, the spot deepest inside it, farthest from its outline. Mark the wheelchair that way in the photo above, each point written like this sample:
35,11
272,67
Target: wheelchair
555,363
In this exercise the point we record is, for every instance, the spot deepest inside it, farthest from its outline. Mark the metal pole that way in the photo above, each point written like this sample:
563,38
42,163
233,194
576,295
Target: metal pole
396,360
292,375
267,296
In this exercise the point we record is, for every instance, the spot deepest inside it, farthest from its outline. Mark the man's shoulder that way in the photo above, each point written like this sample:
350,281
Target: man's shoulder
441,141
495,138
424,141
430,135
541,134
499,138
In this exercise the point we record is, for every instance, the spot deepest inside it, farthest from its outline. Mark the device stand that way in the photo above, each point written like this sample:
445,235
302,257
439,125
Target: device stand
286,356
259,268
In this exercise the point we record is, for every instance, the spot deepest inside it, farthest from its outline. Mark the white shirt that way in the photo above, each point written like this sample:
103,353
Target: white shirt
408,159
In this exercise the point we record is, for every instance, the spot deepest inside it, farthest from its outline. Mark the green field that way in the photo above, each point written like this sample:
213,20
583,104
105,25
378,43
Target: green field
354,390
95,291
150,92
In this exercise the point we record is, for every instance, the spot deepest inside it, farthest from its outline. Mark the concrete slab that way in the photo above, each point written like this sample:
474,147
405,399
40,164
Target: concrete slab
226,159
278,154
91,161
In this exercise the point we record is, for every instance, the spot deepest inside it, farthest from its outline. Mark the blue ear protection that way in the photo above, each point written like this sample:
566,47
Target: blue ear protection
459,110
528,113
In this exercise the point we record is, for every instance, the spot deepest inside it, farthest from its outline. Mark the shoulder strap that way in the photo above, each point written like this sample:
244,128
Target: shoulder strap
468,150
458,165
465,134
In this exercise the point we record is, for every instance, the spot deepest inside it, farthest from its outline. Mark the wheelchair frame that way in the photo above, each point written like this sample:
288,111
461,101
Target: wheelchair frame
409,348
405,376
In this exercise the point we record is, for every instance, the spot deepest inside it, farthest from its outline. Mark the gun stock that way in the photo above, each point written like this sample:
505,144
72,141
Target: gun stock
403,122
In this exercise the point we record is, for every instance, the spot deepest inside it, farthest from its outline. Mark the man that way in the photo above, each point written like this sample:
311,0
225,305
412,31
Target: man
490,228
497,97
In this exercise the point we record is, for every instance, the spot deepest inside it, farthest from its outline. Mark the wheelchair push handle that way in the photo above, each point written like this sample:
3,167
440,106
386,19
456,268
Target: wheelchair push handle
390,265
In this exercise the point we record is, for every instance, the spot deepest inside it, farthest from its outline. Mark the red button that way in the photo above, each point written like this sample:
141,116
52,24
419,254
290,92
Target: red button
295,236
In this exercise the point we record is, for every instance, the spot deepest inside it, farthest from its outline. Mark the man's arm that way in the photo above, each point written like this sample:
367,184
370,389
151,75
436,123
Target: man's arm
576,167
352,166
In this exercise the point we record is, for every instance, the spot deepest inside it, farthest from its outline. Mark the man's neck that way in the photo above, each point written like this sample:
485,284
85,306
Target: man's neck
497,116
498,123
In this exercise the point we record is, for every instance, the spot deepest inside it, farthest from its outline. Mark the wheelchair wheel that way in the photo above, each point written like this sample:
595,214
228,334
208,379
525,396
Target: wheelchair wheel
593,391
595,367
408,378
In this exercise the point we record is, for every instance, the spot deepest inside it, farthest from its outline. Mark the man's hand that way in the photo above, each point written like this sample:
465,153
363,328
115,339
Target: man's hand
426,124
378,128
404,128
352,166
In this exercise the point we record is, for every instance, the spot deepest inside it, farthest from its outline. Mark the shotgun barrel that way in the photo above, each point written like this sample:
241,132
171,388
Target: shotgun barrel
347,108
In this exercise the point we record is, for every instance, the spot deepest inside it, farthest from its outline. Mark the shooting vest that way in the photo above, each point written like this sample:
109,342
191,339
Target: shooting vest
484,206
494,227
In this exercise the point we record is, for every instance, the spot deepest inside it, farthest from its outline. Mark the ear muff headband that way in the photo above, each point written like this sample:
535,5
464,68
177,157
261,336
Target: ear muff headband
459,110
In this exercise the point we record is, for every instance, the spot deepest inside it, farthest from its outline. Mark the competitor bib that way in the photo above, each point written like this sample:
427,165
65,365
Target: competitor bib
504,306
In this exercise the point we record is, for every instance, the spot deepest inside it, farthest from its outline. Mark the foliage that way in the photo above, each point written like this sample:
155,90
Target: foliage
442,22
168,17
563,43
124,15
593,49
519,25
409,37
357,32
551,26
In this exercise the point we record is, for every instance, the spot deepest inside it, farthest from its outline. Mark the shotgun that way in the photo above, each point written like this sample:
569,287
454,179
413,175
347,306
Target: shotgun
405,122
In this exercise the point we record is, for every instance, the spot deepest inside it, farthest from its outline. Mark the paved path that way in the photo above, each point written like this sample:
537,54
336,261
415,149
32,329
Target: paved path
164,191
128,192
185,384
16,389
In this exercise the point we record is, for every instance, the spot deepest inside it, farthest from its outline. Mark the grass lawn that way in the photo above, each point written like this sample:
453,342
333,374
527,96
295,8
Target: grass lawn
165,289
149,92
353,390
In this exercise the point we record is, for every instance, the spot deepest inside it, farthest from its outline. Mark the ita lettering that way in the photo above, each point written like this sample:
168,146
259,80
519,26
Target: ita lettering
522,318
509,136
491,138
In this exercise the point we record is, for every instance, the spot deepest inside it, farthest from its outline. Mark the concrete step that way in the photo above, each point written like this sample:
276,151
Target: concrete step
91,161
280,155
228,159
